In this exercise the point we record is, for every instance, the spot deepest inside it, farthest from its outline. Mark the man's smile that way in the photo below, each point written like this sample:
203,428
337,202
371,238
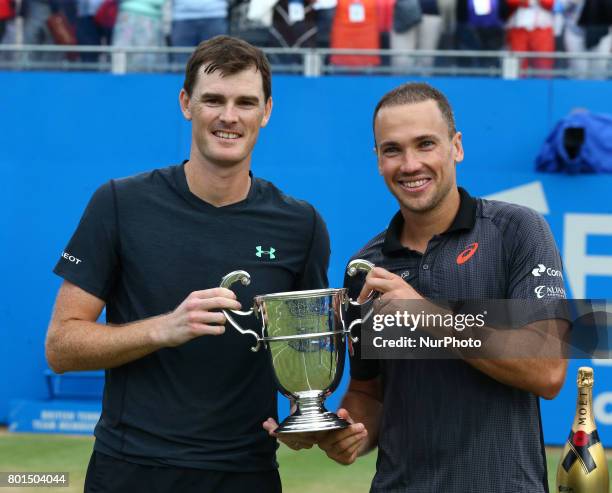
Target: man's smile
414,185
226,135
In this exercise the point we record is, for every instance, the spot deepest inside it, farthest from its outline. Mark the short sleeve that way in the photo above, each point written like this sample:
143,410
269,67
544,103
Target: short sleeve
535,270
361,369
90,259
314,274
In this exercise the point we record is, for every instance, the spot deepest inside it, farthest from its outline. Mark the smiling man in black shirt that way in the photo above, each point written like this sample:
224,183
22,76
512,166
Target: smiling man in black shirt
469,425
183,399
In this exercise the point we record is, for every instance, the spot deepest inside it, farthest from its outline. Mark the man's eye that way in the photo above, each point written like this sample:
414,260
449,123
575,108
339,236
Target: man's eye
425,144
390,151
212,102
246,104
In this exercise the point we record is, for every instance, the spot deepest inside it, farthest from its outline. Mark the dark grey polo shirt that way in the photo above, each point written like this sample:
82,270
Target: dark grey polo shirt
445,425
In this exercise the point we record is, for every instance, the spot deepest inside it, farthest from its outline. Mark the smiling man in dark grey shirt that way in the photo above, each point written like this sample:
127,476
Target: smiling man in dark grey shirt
452,425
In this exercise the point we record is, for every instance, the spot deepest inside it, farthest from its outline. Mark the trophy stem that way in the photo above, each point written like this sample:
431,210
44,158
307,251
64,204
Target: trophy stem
311,415
311,404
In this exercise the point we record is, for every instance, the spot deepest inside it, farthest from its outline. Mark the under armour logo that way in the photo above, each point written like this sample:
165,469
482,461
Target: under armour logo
579,443
270,253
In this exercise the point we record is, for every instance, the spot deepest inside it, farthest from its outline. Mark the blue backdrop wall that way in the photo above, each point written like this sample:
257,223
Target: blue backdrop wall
61,135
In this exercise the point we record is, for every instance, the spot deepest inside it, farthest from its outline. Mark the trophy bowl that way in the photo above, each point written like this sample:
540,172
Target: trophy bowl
305,334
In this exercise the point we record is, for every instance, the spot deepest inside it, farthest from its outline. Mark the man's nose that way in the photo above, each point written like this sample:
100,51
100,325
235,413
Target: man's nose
229,114
410,163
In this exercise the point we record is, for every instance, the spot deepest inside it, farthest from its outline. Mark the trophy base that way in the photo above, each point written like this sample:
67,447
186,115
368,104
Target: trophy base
311,416
303,424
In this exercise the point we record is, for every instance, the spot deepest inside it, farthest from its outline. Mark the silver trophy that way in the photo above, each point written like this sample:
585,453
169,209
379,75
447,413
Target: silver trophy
305,332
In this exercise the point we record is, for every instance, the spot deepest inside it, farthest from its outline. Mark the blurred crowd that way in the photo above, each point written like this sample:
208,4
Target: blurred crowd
516,25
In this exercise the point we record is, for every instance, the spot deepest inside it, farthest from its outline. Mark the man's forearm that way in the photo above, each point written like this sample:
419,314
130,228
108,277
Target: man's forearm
543,377
530,358
77,345
535,360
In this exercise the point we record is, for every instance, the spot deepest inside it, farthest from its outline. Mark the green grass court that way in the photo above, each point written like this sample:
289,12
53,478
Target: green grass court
307,471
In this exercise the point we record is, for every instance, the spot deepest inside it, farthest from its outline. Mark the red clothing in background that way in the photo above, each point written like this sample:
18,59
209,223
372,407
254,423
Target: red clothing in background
6,9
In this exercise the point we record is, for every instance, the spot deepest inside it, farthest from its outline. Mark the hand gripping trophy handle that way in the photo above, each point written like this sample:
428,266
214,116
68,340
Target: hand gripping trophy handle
242,276
245,279
304,333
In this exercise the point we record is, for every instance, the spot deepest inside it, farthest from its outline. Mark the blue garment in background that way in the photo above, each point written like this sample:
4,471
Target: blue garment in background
580,143
491,19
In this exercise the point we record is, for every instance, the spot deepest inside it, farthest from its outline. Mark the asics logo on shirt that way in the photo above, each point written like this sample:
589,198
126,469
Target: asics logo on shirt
467,254
259,252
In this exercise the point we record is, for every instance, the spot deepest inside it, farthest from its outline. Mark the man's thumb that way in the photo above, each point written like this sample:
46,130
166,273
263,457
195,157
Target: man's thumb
344,414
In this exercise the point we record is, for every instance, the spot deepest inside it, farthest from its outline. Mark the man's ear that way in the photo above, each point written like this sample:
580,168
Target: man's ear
375,151
184,102
267,112
457,146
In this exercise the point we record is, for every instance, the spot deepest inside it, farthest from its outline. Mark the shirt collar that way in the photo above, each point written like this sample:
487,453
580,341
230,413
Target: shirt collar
464,221
181,179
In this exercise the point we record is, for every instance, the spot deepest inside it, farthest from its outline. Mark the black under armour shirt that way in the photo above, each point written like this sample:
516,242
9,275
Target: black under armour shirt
143,244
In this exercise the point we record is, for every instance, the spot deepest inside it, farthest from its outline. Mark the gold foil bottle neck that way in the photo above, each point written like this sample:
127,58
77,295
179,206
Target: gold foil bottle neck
585,376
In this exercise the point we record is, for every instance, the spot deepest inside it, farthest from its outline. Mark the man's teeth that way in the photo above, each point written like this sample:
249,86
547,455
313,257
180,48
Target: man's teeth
414,184
227,135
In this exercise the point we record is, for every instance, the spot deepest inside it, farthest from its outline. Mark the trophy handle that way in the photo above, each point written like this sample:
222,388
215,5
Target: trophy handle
245,279
352,269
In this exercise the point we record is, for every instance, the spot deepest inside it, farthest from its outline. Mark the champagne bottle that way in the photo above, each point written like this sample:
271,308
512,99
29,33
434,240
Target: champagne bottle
583,467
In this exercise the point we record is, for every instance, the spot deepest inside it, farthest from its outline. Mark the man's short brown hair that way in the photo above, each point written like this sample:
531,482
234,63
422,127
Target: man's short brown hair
228,55
418,92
